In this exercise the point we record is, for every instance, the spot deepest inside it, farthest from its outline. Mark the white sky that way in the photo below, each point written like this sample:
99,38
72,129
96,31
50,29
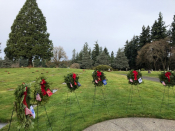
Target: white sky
71,23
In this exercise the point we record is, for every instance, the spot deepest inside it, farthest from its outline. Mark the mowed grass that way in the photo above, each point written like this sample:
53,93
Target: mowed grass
65,114
154,74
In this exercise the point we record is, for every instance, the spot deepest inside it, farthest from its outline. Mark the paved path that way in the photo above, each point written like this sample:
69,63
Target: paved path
2,125
134,124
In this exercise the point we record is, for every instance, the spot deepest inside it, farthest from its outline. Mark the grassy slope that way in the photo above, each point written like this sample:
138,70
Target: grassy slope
116,94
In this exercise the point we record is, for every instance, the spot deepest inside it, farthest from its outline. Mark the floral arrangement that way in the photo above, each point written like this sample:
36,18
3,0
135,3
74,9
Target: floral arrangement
42,90
99,78
167,78
72,81
22,104
134,77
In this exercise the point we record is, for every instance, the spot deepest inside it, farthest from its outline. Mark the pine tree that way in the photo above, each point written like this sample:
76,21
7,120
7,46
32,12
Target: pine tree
173,32
102,59
86,62
144,37
23,62
130,50
6,63
158,30
29,37
112,57
73,56
95,52
106,51
120,62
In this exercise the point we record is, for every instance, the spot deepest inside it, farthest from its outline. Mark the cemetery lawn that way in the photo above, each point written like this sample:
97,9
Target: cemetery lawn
66,115
154,74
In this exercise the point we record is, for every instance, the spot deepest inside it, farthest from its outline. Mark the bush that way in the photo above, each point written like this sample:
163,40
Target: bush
142,69
103,68
75,65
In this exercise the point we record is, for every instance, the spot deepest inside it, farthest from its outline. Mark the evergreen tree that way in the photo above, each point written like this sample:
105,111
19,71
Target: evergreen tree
106,51
23,62
37,63
130,50
100,50
112,57
144,37
86,62
6,62
29,37
158,30
172,36
80,57
95,52
120,62
77,58
73,56
102,59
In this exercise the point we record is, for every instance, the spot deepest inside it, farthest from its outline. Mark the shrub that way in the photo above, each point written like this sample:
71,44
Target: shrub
142,69
103,68
75,65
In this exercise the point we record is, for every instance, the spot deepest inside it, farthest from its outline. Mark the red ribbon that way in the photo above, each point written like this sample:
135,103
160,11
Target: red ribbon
74,77
25,103
43,87
168,76
25,95
98,75
135,74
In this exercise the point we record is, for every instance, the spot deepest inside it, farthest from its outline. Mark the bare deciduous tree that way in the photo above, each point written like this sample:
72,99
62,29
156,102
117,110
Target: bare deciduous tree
156,51
58,55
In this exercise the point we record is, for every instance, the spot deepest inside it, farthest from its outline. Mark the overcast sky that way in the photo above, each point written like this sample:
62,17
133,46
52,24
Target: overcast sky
71,23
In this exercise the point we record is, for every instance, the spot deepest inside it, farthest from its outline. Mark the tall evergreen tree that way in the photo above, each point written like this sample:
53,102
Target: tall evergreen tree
121,61
112,57
172,36
29,37
73,56
158,30
106,51
95,52
144,37
86,62
102,59
131,48
100,50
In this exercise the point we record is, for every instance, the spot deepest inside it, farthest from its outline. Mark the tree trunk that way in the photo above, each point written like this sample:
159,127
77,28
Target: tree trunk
30,62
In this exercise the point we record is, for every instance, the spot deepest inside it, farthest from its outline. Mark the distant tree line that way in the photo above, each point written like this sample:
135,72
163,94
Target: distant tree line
154,48
88,58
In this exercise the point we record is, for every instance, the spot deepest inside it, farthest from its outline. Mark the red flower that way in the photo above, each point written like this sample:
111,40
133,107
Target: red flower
168,76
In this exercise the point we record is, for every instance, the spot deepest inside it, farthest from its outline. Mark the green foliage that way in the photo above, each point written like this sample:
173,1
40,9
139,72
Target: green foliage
69,80
102,59
23,120
102,67
95,52
144,37
158,30
131,48
130,75
142,69
29,37
95,77
37,89
6,63
120,62
173,32
162,78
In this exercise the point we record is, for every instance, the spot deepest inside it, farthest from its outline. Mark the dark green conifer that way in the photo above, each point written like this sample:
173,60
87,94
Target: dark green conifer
29,37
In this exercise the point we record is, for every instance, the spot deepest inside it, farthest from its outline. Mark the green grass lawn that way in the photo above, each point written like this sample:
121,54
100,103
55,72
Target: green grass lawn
154,74
65,114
